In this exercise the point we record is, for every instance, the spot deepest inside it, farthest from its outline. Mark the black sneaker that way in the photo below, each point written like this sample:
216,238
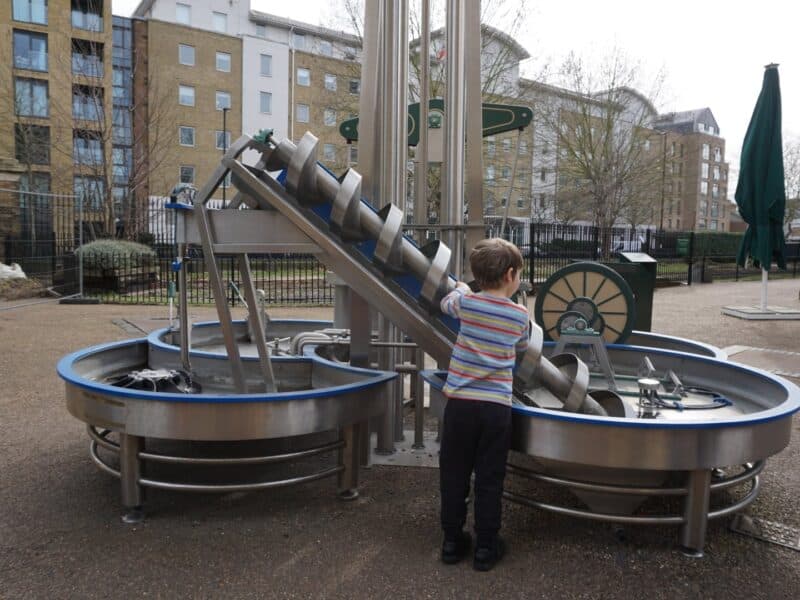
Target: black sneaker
453,550
486,557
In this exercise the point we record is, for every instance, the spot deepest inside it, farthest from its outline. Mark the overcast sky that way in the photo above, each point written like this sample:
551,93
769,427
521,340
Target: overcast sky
713,52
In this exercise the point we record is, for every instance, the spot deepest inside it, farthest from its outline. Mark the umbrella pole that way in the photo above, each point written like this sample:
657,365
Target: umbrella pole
764,273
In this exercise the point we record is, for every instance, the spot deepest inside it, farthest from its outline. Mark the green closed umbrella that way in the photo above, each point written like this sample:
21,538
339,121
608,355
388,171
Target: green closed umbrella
760,191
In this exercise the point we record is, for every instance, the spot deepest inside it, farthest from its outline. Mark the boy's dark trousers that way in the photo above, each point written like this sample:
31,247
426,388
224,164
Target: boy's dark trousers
475,435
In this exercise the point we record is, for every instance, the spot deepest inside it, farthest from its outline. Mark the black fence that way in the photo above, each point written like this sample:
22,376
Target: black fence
683,256
285,279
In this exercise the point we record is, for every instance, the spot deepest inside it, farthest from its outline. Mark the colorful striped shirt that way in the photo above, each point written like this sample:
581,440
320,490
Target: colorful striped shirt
493,329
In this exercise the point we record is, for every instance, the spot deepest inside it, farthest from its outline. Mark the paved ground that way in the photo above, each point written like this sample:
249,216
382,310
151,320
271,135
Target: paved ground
61,537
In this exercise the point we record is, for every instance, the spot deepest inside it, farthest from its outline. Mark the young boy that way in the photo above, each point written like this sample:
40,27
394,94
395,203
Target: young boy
476,431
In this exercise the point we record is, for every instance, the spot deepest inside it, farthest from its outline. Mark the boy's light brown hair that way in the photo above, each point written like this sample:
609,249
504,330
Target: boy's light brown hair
491,259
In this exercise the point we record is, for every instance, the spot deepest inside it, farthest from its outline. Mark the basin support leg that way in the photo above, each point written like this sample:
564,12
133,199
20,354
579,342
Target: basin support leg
130,471
418,385
385,440
693,531
349,458
360,339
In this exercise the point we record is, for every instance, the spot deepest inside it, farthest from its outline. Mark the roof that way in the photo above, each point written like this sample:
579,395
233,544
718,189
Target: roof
486,30
332,34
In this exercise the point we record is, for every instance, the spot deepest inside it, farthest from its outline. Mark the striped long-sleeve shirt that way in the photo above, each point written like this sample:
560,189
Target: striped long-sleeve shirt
492,330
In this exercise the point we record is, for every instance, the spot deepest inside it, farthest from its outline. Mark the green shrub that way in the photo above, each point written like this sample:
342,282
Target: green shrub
108,254
709,243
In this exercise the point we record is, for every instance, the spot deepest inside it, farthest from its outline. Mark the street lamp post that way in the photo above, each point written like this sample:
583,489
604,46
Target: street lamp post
225,110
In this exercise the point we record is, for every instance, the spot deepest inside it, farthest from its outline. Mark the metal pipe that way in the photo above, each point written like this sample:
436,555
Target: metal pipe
695,513
184,308
421,175
419,399
452,194
385,440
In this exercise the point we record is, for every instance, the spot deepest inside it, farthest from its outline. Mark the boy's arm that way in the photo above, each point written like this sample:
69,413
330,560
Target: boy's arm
451,303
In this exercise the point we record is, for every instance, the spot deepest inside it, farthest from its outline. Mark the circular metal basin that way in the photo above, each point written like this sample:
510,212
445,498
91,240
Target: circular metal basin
755,425
314,395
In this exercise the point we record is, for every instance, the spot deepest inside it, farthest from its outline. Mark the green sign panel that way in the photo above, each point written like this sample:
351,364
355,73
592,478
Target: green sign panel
497,118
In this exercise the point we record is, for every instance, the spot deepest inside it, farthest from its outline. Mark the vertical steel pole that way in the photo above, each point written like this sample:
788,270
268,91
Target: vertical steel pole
130,471
452,194
419,400
360,338
473,170
184,308
695,513
421,175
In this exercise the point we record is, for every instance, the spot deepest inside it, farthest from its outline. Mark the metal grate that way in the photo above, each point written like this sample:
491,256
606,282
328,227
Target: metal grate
769,531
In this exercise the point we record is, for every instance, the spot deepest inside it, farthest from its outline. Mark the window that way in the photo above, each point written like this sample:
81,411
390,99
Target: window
222,100
186,136
490,147
713,225
704,170
326,48
32,144
353,154
329,152
715,191
646,145
30,98
543,175
186,95
490,173
301,115
266,65
330,82
223,62
298,41
303,76
355,86
329,117
716,172
186,55
705,151
715,209
717,154
506,172
122,131
219,22
87,58
183,14
223,140
503,201
87,14
350,53
702,207
680,188
87,103
507,145
265,102
542,199
30,51
523,146
545,147
704,188
672,149
261,30
186,174
90,191
521,201
701,223
87,149
31,11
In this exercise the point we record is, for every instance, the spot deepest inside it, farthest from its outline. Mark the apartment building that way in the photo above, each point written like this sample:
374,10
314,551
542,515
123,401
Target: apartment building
188,101
56,112
697,172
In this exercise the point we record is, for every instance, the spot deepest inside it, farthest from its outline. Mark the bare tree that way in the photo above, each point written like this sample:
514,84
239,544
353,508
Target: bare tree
791,168
603,152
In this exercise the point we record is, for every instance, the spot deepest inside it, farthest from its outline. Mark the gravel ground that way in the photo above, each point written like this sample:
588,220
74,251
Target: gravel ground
61,537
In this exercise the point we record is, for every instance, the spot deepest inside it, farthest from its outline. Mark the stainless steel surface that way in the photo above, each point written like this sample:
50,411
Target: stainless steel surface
454,134
385,437
184,308
419,399
421,152
473,132
130,470
693,531
254,314
214,417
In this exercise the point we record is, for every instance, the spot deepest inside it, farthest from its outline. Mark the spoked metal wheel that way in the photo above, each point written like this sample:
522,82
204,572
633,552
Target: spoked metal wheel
588,291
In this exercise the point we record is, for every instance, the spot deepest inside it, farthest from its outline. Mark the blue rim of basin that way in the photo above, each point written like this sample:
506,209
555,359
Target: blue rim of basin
790,405
67,373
